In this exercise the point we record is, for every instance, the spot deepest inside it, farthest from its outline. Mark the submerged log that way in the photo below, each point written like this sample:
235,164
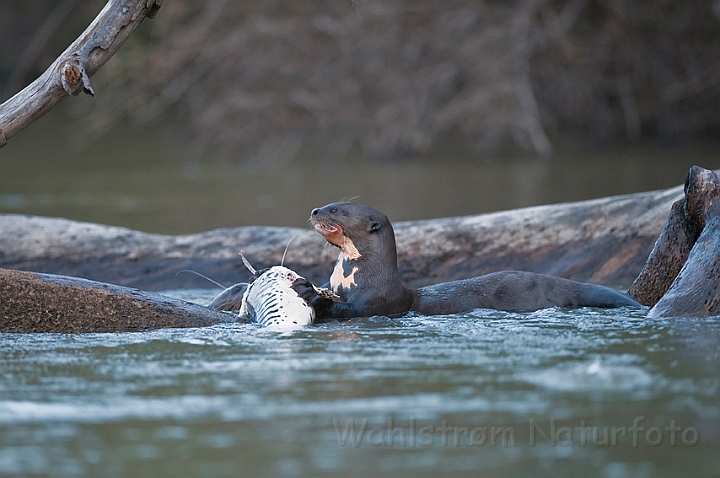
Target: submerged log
682,275
32,302
604,240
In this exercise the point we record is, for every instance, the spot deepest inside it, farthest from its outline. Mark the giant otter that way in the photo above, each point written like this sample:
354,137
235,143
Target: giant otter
367,281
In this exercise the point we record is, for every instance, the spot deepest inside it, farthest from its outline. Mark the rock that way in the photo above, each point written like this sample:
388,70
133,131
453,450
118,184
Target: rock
31,302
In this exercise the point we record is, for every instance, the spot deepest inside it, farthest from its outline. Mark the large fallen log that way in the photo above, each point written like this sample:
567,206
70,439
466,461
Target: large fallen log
605,241
32,302
682,275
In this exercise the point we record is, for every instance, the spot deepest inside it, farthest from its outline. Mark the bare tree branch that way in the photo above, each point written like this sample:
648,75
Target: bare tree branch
71,72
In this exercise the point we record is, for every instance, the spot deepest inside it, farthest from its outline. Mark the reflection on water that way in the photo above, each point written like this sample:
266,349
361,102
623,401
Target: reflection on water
146,184
551,393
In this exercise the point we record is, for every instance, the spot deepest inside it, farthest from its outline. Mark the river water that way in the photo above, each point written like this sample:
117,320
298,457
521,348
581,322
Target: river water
160,184
585,392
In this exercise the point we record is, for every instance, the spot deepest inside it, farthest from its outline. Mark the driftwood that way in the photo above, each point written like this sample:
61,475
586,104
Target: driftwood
71,72
605,241
682,274
32,302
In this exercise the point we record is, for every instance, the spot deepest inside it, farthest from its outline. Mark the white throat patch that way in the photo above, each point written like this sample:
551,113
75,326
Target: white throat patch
349,250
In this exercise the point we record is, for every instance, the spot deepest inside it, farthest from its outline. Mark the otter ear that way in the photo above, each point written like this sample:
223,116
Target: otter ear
374,226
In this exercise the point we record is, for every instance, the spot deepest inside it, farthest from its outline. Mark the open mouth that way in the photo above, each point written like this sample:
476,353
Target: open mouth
325,228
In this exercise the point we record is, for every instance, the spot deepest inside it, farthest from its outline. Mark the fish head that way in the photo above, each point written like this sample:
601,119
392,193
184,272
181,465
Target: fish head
281,274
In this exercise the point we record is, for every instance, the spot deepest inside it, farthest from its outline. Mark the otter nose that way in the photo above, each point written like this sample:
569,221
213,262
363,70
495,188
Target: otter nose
315,211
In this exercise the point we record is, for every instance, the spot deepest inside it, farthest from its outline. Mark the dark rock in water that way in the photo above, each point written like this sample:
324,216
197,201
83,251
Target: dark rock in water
682,275
32,302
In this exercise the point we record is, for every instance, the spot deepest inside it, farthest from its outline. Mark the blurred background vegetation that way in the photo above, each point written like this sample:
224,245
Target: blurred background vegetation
271,83
396,78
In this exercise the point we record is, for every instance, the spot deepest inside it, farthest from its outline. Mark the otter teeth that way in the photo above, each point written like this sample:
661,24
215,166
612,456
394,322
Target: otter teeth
326,228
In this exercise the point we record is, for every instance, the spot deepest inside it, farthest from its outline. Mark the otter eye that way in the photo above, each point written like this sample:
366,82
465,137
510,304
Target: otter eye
345,213
333,210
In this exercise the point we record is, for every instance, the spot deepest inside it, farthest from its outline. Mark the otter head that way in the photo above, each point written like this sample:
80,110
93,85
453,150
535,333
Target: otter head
356,229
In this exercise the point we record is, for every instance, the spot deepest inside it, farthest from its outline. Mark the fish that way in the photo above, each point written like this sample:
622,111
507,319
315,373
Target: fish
271,301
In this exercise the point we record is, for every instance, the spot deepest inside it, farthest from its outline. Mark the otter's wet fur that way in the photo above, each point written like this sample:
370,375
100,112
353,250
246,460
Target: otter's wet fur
367,280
